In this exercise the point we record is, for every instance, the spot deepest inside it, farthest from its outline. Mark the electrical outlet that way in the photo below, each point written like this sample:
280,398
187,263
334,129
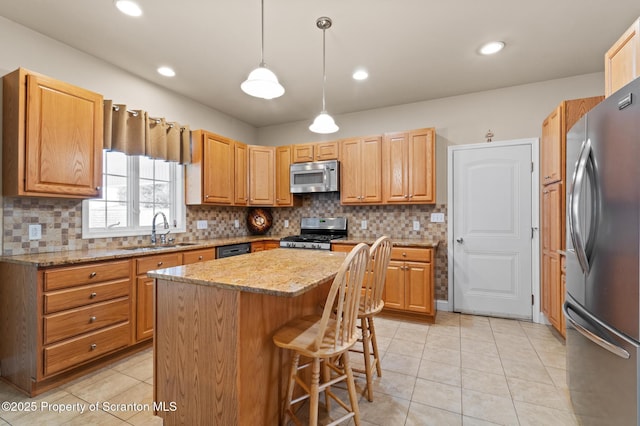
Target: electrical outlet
437,217
416,225
236,223
363,224
286,223
201,224
35,232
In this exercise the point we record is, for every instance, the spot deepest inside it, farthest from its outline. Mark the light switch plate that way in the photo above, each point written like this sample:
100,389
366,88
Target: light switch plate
35,232
416,225
363,224
236,223
286,223
437,217
201,224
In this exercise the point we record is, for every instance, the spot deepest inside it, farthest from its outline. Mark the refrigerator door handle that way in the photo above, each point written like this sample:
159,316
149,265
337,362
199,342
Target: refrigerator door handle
605,344
574,205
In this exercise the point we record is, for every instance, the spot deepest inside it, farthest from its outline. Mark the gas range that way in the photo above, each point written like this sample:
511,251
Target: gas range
317,233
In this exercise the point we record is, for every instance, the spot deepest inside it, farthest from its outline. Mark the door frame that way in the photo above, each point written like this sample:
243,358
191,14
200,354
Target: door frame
534,143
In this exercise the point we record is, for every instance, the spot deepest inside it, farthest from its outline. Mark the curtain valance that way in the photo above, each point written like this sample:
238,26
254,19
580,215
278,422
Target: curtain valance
133,132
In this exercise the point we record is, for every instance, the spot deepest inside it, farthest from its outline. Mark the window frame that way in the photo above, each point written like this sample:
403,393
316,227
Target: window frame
177,214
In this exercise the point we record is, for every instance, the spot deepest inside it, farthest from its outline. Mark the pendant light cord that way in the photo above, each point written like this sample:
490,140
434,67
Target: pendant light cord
324,67
262,34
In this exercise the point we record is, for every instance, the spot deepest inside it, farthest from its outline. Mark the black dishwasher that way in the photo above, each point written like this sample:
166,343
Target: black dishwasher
233,250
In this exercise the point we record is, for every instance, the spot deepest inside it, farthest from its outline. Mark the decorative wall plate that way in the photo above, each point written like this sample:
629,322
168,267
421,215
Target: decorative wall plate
259,220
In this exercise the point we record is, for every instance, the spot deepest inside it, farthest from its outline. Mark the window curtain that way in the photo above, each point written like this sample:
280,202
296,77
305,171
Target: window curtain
133,132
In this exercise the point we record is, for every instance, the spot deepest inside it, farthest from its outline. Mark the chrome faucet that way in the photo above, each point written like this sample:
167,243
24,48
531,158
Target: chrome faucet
153,228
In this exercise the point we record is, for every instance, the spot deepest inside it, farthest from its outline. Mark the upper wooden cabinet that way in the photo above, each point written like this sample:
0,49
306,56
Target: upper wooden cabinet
408,160
318,151
622,61
283,177
262,183
211,176
52,138
554,133
241,184
360,170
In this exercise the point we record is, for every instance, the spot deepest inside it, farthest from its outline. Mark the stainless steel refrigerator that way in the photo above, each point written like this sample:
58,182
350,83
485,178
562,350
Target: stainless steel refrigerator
603,260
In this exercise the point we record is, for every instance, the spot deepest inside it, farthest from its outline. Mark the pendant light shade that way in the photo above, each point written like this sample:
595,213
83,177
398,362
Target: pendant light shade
262,82
323,123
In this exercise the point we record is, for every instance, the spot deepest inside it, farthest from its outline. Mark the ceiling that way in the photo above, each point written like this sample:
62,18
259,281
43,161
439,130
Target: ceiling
414,50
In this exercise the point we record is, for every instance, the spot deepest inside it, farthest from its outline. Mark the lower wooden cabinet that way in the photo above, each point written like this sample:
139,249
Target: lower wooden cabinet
409,285
264,245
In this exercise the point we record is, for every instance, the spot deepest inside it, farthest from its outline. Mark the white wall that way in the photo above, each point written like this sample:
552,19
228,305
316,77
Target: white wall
22,47
511,113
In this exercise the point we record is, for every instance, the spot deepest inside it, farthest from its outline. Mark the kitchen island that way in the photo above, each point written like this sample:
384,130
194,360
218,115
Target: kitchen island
214,358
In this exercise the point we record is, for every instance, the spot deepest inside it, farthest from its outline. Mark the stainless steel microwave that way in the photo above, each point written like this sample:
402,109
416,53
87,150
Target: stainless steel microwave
317,176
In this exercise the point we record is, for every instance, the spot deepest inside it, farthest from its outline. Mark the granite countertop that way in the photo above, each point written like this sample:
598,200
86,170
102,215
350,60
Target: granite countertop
59,258
280,272
404,242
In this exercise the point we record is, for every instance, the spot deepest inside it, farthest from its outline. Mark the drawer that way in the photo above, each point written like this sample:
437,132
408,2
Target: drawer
159,261
68,354
81,296
412,254
85,274
81,320
195,256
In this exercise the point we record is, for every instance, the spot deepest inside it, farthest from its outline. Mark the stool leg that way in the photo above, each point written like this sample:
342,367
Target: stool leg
374,341
313,397
295,359
326,377
366,342
351,386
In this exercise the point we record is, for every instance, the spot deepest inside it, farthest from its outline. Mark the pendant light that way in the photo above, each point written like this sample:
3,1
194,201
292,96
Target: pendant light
324,122
262,82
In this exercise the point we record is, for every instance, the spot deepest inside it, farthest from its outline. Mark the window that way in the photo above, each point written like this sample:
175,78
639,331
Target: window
134,189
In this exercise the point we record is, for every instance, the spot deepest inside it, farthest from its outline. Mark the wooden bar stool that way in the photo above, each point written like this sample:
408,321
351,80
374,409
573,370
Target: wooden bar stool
327,338
371,304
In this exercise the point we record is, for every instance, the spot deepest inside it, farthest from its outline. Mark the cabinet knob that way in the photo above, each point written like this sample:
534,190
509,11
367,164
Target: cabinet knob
93,346
200,258
404,254
98,188
93,274
406,196
92,319
160,263
206,196
93,295
410,195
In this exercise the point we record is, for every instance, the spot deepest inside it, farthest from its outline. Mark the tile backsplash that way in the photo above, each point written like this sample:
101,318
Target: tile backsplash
61,222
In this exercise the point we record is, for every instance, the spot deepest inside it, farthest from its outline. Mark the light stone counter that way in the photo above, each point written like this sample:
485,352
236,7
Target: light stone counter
278,272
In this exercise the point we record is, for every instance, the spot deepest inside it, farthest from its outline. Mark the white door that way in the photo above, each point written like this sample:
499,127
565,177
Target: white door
492,230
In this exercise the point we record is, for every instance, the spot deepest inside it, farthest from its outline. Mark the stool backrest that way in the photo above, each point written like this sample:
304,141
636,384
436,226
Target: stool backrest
344,299
380,254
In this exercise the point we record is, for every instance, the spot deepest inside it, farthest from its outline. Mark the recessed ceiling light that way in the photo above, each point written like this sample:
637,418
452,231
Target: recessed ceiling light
492,47
166,71
129,7
360,75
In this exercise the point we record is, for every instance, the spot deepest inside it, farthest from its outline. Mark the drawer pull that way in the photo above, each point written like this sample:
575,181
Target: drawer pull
93,346
93,274
92,319
93,295
404,254
200,258
160,263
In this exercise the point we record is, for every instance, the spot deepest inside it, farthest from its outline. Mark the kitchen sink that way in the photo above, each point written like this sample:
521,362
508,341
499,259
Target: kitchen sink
158,246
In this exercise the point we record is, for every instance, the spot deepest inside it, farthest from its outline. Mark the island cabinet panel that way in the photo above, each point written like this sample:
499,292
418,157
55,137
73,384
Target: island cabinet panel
53,138
218,361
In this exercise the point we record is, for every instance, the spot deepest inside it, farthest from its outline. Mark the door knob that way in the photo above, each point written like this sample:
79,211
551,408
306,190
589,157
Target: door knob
459,240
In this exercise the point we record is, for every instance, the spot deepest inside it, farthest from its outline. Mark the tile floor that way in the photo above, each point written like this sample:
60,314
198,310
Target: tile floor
463,370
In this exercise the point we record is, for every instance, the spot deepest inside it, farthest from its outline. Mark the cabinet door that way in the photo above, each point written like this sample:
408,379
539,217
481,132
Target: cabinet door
262,175
371,169
218,185
257,246
271,245
241,187
419,295
555,309
283,176
545,284
350,187
421,166
551,148
196,256
64,137
622,61
395,154
326,151
144,308
394,287
303,153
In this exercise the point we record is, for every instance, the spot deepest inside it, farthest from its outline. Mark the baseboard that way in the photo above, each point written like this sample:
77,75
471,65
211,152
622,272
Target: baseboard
443,305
